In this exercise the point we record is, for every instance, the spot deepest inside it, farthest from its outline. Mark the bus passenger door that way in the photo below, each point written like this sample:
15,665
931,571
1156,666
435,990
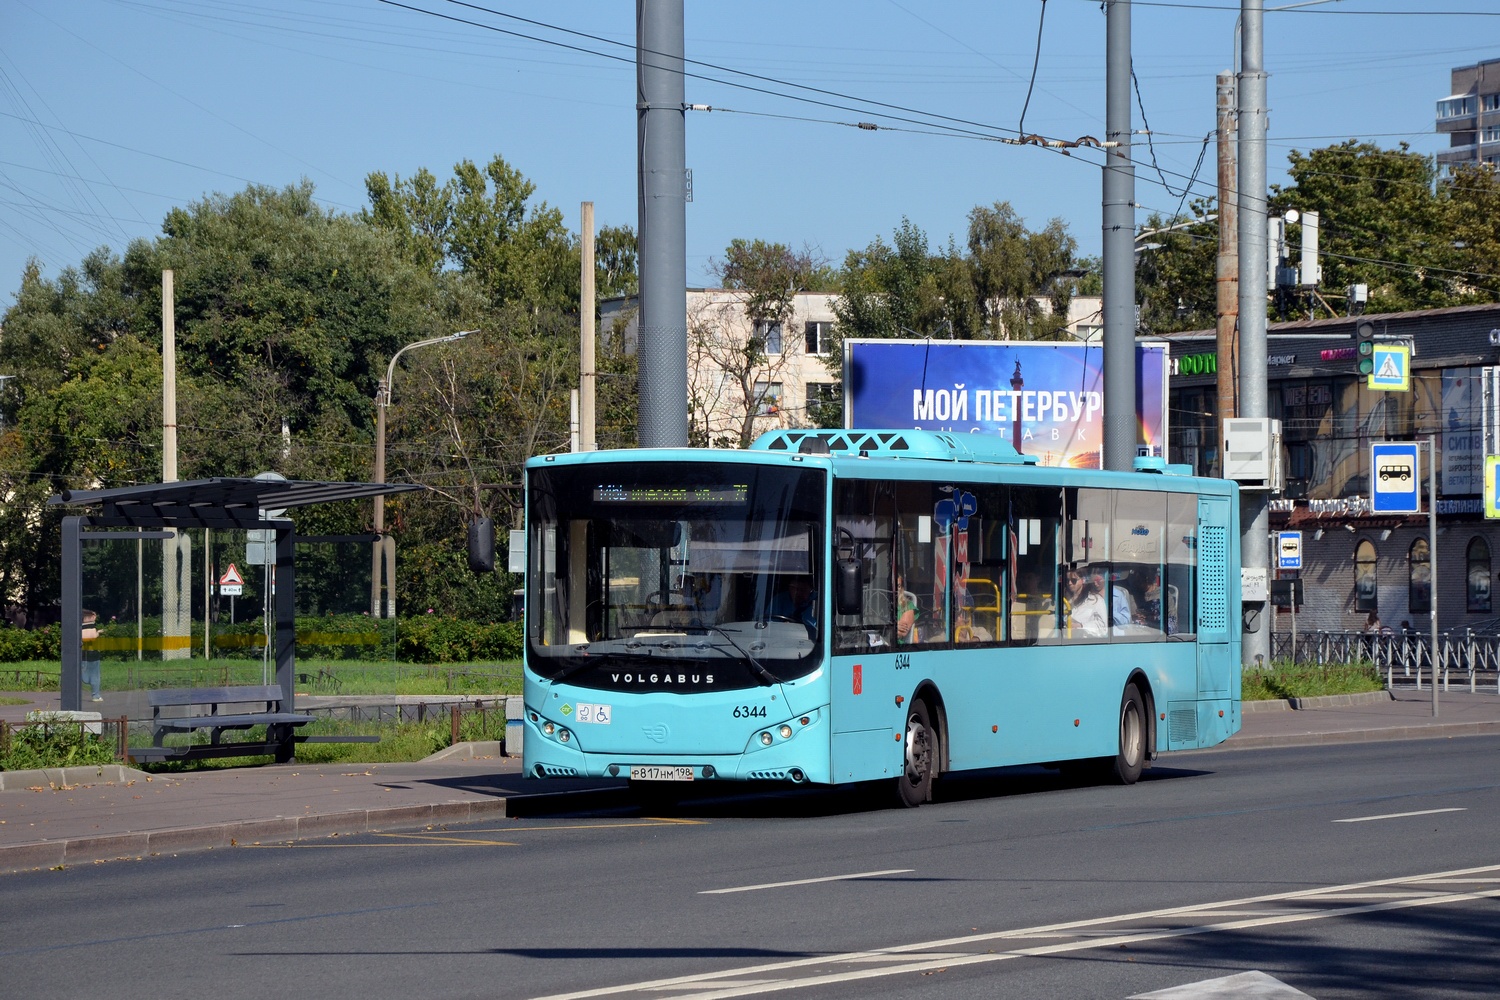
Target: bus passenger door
1214,618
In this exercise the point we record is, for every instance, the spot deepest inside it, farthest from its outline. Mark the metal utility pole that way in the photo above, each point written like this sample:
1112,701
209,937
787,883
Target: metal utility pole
1254,506
662,204
1432,566
176,553
1119,246
586,306
1228,271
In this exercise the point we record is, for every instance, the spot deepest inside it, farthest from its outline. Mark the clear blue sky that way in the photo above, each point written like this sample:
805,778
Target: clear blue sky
114,111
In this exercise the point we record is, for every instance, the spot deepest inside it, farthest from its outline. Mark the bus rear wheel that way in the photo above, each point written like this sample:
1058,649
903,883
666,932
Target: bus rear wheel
1131,756
919,758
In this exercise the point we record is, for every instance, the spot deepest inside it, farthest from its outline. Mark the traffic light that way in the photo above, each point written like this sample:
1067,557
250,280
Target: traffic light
1364,349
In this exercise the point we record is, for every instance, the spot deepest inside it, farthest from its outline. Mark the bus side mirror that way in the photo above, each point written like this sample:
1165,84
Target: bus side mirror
848,592
482,545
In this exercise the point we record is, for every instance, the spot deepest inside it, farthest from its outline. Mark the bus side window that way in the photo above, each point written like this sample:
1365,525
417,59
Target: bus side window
1032,535
1182,563
1137,594
979,561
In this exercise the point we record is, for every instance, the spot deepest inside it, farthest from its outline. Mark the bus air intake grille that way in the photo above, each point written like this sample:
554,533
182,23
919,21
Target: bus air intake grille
1182,725
768,776
556,771
1213,602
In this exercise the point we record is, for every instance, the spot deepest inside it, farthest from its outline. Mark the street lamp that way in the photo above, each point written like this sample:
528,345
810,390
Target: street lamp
385,547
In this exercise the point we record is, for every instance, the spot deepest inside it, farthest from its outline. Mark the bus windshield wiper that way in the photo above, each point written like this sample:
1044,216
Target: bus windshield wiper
766,677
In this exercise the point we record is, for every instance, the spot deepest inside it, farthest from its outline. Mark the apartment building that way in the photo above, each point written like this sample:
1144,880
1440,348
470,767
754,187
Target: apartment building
1470,115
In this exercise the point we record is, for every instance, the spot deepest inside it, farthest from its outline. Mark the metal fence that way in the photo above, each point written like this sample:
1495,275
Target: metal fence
1405,658
483,718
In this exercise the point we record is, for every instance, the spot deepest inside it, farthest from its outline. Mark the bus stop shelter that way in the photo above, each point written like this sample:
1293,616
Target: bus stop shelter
158,511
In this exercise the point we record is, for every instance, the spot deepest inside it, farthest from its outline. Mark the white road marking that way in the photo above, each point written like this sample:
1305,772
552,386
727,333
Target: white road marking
1072,936
717,984
1422,812
807,881
1246,984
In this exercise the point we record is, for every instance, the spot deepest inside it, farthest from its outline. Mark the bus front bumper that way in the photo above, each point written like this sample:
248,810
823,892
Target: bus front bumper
796,753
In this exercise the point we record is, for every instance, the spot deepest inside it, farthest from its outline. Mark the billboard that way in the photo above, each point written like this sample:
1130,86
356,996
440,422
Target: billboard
1045,398
1462,421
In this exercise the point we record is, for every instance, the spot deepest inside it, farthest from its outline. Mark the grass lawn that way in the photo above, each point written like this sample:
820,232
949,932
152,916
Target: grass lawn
1309,680
320,677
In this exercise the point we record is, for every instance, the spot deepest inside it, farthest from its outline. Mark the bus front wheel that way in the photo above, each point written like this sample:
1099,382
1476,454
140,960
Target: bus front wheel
919,763
1131,756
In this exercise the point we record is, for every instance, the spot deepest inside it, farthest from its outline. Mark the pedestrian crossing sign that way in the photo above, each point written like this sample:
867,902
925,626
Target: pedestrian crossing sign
1392,369
1492,486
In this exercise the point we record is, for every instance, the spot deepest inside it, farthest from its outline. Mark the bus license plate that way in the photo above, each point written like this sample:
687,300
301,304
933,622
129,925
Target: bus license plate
654,773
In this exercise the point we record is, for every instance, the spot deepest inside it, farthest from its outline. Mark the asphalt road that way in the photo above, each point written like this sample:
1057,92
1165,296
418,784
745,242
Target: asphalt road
1016,884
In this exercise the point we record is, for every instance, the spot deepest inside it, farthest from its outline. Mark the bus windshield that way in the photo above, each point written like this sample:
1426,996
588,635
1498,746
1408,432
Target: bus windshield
675,576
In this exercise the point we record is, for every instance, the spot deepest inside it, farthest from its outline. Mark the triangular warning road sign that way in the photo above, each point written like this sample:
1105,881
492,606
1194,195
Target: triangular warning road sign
231,577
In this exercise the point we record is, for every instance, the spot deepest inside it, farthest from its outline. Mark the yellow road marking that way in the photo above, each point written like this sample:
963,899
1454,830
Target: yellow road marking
439,839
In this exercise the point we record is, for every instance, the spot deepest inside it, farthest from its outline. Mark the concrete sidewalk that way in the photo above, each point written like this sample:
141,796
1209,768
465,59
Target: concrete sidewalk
81,815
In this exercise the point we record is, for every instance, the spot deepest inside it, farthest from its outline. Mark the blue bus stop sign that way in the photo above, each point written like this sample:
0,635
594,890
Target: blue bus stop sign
1289,550
1395,477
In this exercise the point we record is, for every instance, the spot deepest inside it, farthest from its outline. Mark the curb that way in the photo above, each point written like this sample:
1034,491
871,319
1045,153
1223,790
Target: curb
1343,700
70,777
1320,701
1429,732
469,751
281,829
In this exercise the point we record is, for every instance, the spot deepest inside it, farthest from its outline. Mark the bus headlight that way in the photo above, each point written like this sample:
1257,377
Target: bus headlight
548,728
765,739
786,732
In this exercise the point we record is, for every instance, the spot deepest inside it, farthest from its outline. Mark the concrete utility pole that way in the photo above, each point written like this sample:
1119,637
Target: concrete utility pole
1254,506
176,553
586,306
662,197
1228,271
1119,246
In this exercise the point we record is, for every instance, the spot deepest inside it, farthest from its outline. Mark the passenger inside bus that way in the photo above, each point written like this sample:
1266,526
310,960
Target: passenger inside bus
1087,615
906,613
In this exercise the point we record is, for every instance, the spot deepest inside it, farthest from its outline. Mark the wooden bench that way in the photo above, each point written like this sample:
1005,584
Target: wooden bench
202,710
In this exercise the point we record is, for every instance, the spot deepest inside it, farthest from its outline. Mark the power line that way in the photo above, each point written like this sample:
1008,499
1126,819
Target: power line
969,125
1219,8
1036,61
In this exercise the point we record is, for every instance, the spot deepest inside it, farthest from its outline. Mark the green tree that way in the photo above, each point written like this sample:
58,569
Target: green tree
1381,222
1175,273
482,223
1472,223
1388,219
1015,270
1006,281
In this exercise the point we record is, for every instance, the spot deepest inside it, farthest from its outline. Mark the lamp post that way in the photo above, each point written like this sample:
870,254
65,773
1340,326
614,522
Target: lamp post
385,547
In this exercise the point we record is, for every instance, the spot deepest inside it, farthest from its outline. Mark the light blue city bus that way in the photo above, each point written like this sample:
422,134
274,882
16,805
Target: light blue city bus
836,606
